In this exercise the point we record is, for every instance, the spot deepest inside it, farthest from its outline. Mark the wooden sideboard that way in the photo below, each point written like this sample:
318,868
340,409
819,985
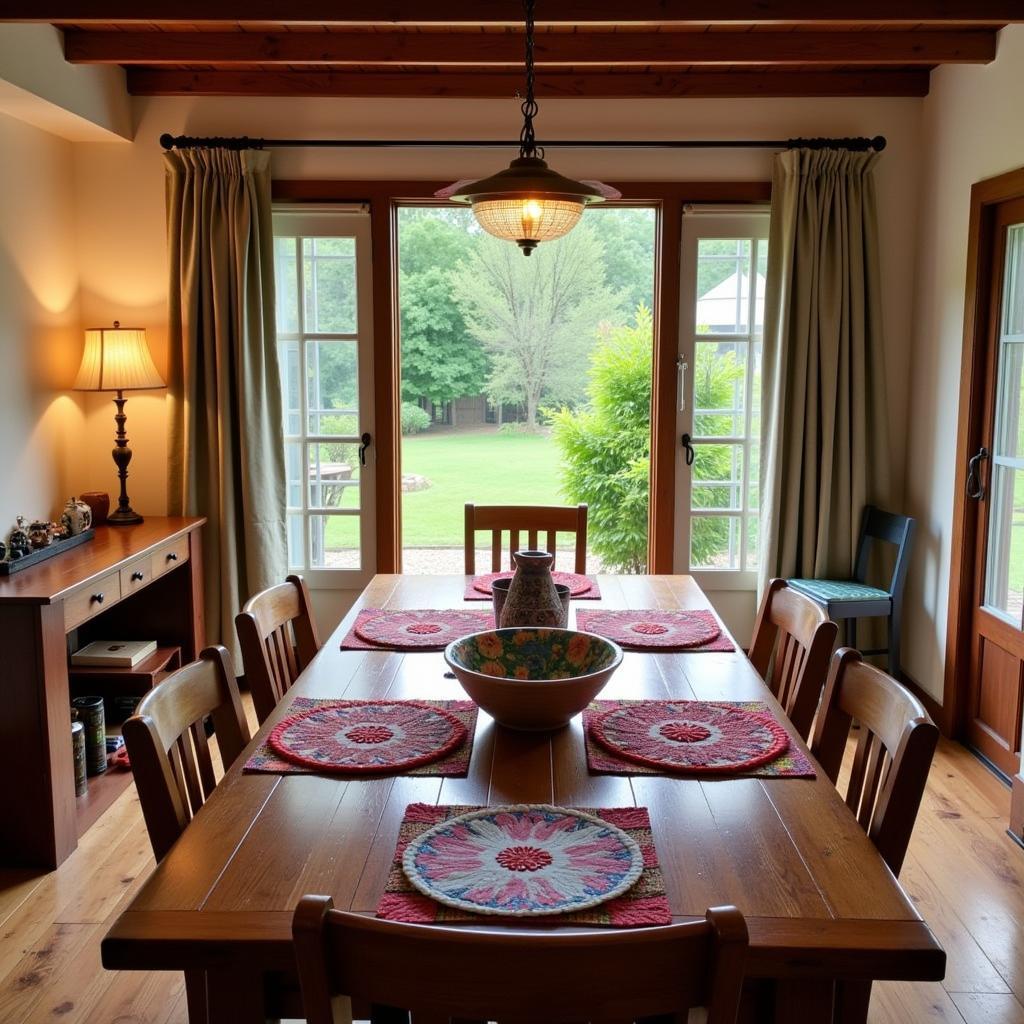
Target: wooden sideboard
129,582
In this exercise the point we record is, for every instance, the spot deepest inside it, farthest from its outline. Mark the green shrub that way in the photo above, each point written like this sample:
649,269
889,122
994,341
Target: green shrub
414,419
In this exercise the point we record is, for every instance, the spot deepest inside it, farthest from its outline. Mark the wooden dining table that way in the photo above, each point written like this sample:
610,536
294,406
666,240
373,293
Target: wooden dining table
821,905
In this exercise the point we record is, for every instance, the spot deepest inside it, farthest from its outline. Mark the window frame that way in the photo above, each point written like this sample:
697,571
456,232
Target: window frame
702,222
341,220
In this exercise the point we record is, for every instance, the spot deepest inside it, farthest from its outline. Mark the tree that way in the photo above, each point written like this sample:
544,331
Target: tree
441,360
536,318
606,446
627,234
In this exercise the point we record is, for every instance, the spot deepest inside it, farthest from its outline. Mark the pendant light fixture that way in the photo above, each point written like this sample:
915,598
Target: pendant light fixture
528,203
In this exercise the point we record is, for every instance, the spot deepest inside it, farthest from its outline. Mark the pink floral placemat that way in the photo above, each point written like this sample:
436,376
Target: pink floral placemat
792,763
478,588
455,763
643,905
657,630
380,629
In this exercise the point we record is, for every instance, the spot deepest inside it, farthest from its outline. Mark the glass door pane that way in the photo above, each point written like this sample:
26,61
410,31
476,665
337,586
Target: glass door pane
1004,568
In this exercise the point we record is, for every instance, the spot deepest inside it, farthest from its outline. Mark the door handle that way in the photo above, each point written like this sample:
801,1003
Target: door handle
366,441
975,488
687,449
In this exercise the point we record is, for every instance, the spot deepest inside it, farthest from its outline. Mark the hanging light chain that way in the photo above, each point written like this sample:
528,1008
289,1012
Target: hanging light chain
527,143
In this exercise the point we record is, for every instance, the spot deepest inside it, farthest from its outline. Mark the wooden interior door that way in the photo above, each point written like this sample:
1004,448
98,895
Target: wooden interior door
996,482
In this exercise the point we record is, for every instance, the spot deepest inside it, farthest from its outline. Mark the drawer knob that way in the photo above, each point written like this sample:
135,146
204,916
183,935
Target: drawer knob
137,576
98,598
172,557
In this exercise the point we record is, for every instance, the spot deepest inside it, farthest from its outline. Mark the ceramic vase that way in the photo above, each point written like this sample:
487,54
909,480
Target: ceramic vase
532,598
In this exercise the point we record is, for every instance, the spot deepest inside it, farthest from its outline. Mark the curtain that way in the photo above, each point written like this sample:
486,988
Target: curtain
824,438
226,459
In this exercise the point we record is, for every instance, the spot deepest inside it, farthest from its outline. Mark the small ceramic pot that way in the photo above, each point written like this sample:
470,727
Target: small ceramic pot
39,534
76,517
499,592
532,599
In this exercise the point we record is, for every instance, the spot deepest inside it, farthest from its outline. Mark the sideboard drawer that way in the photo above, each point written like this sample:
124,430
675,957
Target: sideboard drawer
170,556
91,599
136,576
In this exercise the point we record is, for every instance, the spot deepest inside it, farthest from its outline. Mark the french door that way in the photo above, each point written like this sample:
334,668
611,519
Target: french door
995,481
325,346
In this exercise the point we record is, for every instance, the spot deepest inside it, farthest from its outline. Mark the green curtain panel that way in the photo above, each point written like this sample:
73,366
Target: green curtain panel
226,454
824,434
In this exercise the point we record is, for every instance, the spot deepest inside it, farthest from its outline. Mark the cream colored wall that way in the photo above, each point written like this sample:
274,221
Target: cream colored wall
40,342
972,128
120,202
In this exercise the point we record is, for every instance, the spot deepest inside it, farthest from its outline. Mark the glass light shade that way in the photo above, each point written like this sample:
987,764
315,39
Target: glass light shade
527,219
527,202
117,359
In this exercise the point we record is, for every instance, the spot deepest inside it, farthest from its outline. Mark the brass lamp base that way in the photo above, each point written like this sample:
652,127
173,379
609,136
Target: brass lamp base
124,514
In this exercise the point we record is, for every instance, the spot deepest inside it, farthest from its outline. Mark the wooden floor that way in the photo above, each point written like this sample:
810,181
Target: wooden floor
963,871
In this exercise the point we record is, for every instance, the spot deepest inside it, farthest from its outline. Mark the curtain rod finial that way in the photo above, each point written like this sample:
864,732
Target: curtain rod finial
878,143
167,140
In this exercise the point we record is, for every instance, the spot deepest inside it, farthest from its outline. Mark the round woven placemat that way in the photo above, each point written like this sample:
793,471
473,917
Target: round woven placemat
417,628
367,736
654,628
523,860
690,736
576,582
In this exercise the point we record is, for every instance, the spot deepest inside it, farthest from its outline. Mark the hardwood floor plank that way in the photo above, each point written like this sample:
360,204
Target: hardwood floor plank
988,1008
901,1002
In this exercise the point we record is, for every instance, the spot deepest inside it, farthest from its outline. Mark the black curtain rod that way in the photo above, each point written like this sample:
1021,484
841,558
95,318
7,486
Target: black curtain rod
169,141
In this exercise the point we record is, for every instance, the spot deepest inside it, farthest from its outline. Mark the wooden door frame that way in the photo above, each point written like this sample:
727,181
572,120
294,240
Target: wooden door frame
384,197
985,196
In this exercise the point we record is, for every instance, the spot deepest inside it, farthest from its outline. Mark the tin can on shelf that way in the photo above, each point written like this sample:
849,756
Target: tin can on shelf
78,748
90,714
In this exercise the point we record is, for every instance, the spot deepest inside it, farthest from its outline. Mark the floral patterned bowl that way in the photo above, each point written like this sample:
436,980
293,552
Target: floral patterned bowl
533,679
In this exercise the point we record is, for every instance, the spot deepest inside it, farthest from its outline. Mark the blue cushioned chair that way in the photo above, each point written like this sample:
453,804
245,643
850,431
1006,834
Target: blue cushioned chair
856,599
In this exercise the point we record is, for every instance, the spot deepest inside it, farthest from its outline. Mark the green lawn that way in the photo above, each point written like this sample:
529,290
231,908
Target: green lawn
484,467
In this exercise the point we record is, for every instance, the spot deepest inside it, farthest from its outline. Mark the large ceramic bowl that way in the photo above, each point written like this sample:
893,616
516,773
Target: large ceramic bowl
533,678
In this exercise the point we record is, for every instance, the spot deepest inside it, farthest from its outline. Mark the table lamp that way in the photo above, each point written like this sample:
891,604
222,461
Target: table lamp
117,359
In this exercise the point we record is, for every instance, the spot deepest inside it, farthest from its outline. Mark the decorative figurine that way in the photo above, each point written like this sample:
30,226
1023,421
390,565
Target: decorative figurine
39,534
76,517
18,543
3,551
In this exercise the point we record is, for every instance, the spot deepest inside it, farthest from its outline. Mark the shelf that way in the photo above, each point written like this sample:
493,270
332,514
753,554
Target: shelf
112,681
103,791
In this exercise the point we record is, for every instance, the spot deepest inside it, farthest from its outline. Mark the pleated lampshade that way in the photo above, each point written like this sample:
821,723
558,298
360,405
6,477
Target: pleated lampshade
117,359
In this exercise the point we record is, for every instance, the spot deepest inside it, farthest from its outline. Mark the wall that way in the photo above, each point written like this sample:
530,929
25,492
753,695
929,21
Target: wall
120,200
40,340
972,128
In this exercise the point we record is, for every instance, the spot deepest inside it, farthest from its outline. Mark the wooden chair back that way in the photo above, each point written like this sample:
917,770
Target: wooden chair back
442,973
278,638
893,753
792,644
531,520
878,526
168,747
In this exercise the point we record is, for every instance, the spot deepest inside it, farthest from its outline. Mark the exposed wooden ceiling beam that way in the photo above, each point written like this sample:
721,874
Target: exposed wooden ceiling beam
166,82
510,12
495,49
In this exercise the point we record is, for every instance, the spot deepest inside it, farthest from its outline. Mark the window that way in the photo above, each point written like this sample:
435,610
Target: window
724,261
322,270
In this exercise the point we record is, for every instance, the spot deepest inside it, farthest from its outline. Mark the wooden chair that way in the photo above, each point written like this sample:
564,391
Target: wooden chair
171,761
278,638
477,974
792,644
850,600
893,755
531,519
889,772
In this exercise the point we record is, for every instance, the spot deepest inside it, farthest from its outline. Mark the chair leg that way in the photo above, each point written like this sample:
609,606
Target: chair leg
852,1001
894,644
851,633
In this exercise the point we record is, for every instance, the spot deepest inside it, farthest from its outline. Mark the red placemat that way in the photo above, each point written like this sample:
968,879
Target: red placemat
792,763
656,629
454,763
367,736
411,630
644,904
581,588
